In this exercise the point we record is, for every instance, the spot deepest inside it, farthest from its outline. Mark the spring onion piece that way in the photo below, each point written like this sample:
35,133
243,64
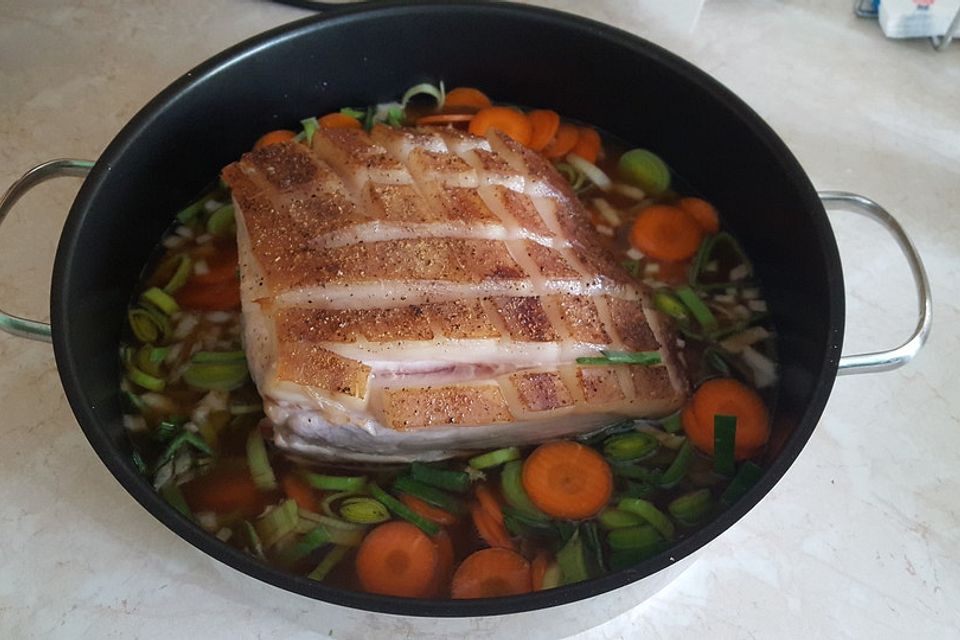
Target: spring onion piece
180,275
646,170
639,490
670,305
630,446
259,462
403,511
310,126
395,116
189,213
646,510
363,511
310,542
437,93
717,362
240,409
495,458
552,577
724,439
692,508
353,113
671,441
594,173
182,439
174,497
640,537
335,483
222,222
213,376
145,327
145,380
456,481
646,358
574,177
611,518
679,467
699,310
521,524
218,357
168,429
332,500
708,253
635,472
746,477
572,560
593,549
432,495
138,462
672,424
511,486
626,558
161,300
367,118
251,540
331,560
277,523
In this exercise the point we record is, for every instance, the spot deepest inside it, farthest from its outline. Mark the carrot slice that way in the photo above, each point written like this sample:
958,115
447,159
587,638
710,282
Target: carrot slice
491,573
280,135
727,397
300,492
538,569
703,212
397,559
467,97
428,511
224,296
493,533
338,121
221,267
445,118
567,480
509,121
489,502
228,490
545,124
564,142
666,233
588,144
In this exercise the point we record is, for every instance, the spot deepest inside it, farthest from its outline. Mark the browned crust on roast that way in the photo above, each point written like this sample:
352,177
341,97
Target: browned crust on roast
521,209
652,383
550,262
580,318
466,405
462,319
525,319
348,325
600,385
313,366
465,205
628,317
541,390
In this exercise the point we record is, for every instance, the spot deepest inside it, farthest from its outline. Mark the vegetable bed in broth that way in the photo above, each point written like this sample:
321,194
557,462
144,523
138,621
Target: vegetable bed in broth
500,522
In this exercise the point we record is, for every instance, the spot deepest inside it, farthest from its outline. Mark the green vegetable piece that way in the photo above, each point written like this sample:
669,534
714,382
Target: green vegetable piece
145,326
639,490
573,561
495,458
310,542
552,577
395,116
180,275
310,126
259,462
336,483
593,549
611,518
640,537
672,424
646,358
182,439
222,222
218,357
240,409
724,442
174,497
161,300
646,510
214,376
145,380
700,311
706,254
189,213
679,467
432,495
353,113
692,508
456,481
401,510
646,170
637,472
168,429
625,558
364,511
251,540
511,485
427,89
670,305
138,462
748,475
331,560
277,523
630,446
368,118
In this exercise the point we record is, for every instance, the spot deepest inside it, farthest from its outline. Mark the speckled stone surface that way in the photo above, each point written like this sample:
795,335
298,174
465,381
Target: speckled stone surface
860,539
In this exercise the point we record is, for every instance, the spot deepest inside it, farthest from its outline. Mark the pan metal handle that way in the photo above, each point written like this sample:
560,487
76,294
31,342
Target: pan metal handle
890,358
23,327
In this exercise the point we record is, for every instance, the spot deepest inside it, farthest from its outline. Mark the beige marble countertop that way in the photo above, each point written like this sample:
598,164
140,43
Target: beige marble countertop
861,538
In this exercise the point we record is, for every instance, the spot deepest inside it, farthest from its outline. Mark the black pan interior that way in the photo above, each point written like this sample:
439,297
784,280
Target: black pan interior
584,70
